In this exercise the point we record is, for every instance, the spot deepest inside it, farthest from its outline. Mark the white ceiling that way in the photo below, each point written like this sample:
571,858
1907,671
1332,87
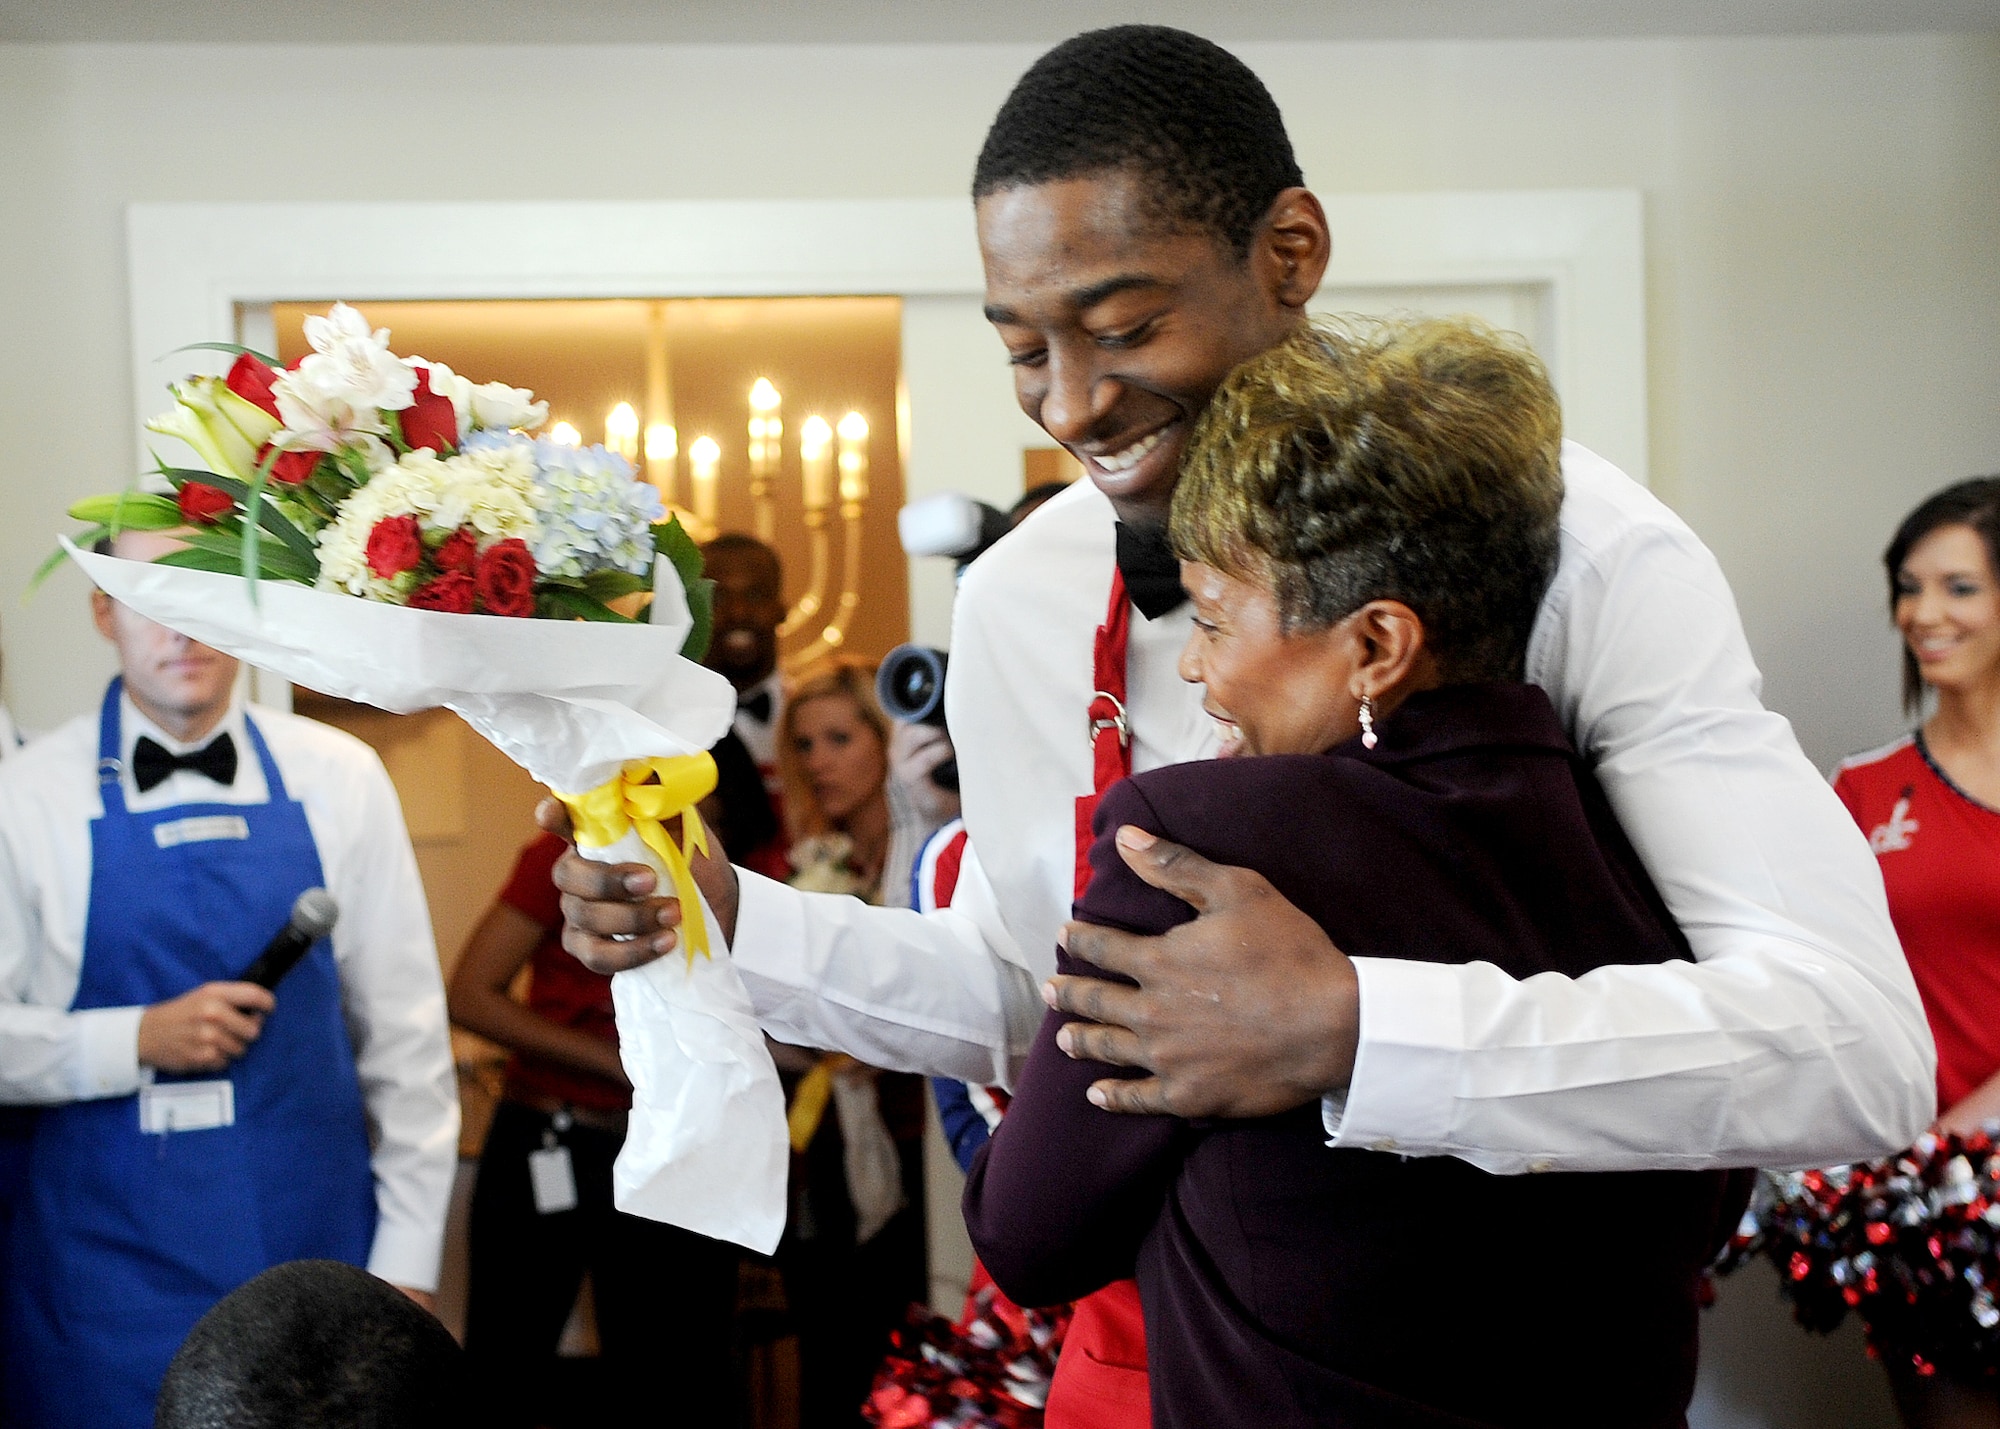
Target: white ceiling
948,21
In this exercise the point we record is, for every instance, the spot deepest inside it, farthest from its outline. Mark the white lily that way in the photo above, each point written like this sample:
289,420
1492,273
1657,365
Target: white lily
225,430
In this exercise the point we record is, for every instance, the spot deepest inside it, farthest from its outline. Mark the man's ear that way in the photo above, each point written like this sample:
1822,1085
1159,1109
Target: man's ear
101,607
1292,247
1394,651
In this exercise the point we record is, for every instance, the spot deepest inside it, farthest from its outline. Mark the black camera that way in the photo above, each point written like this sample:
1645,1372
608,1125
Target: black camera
910,684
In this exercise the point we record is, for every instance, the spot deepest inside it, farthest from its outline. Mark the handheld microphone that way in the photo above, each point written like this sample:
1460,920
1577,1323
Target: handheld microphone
313,917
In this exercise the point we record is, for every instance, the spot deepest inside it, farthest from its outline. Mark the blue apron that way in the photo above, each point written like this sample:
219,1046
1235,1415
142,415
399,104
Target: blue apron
124,1239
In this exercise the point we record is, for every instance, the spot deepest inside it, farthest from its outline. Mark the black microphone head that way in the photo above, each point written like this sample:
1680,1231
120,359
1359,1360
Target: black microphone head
315,913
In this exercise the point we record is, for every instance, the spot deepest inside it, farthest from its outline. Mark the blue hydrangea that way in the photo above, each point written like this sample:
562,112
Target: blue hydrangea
593,515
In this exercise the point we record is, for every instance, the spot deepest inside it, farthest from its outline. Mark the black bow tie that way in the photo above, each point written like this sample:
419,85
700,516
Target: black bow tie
151,763
1151,570
756,704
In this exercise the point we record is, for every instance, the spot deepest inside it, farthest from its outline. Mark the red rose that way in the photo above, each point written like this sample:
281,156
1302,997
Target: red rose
460,552
291,468
394,546
506,578
451,591
204,505
250,378
430,420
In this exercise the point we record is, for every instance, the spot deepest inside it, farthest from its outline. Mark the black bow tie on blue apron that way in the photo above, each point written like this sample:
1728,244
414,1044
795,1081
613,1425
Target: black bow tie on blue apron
1151,570
757,705
151,763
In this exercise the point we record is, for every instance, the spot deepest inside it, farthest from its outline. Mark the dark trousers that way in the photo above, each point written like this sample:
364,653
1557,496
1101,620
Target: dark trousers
665,1297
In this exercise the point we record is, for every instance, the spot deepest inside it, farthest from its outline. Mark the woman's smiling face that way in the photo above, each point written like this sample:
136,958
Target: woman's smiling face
1948,608
1269,691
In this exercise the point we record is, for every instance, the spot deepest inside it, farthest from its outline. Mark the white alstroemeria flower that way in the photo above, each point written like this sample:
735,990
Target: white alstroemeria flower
498,407
353,364
319,411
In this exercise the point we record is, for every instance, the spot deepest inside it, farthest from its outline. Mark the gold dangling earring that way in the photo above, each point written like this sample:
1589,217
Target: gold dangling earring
1367,722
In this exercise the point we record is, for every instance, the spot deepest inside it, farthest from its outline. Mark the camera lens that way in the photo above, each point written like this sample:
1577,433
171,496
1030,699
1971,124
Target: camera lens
910,684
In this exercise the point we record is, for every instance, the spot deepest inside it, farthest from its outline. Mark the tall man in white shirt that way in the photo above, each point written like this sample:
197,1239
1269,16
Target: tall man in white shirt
195,1129
1144,230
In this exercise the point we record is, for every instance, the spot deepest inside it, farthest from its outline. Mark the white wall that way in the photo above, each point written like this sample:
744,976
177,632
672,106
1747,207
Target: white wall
1823,232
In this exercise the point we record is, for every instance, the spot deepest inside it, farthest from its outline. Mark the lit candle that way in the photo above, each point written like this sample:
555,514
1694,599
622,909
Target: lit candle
853,457
564,435
766,427
621,431
662,446
816,462
703,455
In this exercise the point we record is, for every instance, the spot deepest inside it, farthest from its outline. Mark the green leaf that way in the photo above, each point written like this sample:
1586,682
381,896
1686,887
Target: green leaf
671,540
269,516
234,349
276,562
194,558
608,586
562,604
56,557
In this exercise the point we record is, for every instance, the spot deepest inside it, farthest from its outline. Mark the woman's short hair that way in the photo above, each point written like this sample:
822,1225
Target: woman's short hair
849,675
1413,459
1974,503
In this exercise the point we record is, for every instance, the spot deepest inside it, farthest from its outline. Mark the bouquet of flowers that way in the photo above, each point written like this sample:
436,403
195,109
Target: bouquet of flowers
991,1372
379,528
1911,1244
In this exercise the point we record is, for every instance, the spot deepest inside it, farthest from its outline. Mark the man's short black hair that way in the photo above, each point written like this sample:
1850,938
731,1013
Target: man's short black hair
1182,113
315,1344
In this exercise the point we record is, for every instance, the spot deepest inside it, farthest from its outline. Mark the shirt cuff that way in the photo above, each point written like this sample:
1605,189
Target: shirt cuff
770,927
1404,1090
406,1255
107,1043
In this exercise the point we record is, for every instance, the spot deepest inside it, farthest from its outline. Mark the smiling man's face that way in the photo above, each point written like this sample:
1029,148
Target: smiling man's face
1120,328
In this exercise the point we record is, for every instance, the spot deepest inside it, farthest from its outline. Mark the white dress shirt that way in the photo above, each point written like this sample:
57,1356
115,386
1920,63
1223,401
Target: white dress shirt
392,992
1796,1037
760,736
11,737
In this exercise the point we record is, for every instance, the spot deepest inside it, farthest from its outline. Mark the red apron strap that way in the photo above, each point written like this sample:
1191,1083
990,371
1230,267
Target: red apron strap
1110,730
1100,1380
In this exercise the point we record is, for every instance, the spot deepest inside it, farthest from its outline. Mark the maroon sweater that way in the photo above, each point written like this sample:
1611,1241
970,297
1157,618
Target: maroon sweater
1286,1283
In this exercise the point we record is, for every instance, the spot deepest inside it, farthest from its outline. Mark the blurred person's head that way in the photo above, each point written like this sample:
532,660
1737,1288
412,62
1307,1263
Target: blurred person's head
1368,509
315,1344
749,607
833,745
1144,228
1944,593
180,684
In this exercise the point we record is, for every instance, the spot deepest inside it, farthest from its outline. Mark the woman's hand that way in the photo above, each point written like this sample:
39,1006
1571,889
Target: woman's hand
1980,1106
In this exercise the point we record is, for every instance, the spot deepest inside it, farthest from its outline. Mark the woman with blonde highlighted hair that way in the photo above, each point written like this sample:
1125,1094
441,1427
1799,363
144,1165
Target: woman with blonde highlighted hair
1367,520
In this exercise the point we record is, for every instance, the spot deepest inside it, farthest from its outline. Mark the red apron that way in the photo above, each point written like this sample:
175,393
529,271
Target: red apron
1100,1380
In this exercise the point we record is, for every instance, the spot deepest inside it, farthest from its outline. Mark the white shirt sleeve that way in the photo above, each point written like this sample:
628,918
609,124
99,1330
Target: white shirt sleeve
1795,1039
946,994
392,995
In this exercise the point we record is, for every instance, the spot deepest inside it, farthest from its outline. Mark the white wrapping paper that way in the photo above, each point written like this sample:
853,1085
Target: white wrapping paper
569,701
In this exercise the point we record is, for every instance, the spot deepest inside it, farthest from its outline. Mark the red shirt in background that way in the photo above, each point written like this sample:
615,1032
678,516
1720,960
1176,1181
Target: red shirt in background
1939,849
561,989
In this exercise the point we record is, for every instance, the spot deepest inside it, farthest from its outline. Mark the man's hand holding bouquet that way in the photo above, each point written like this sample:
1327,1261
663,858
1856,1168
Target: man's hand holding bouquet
379,528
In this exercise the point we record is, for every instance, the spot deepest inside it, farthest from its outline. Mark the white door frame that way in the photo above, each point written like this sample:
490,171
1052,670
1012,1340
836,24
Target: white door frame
192,264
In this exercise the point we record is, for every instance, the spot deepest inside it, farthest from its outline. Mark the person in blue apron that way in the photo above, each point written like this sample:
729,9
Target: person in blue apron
193,1129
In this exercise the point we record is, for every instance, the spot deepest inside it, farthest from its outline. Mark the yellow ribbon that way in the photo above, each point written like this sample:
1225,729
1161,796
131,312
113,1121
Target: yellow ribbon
809,1099
642,797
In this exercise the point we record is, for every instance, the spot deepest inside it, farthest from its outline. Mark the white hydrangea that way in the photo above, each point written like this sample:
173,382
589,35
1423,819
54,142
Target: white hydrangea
492,490
593,515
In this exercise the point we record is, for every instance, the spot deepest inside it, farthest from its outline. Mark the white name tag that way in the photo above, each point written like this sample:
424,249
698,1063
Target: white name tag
553,1178
186,1106
201,829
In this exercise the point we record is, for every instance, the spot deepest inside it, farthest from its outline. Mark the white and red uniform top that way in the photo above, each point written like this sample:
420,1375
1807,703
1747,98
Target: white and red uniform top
1939,849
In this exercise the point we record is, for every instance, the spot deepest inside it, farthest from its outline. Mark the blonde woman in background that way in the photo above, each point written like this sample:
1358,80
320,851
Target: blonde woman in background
853,1252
